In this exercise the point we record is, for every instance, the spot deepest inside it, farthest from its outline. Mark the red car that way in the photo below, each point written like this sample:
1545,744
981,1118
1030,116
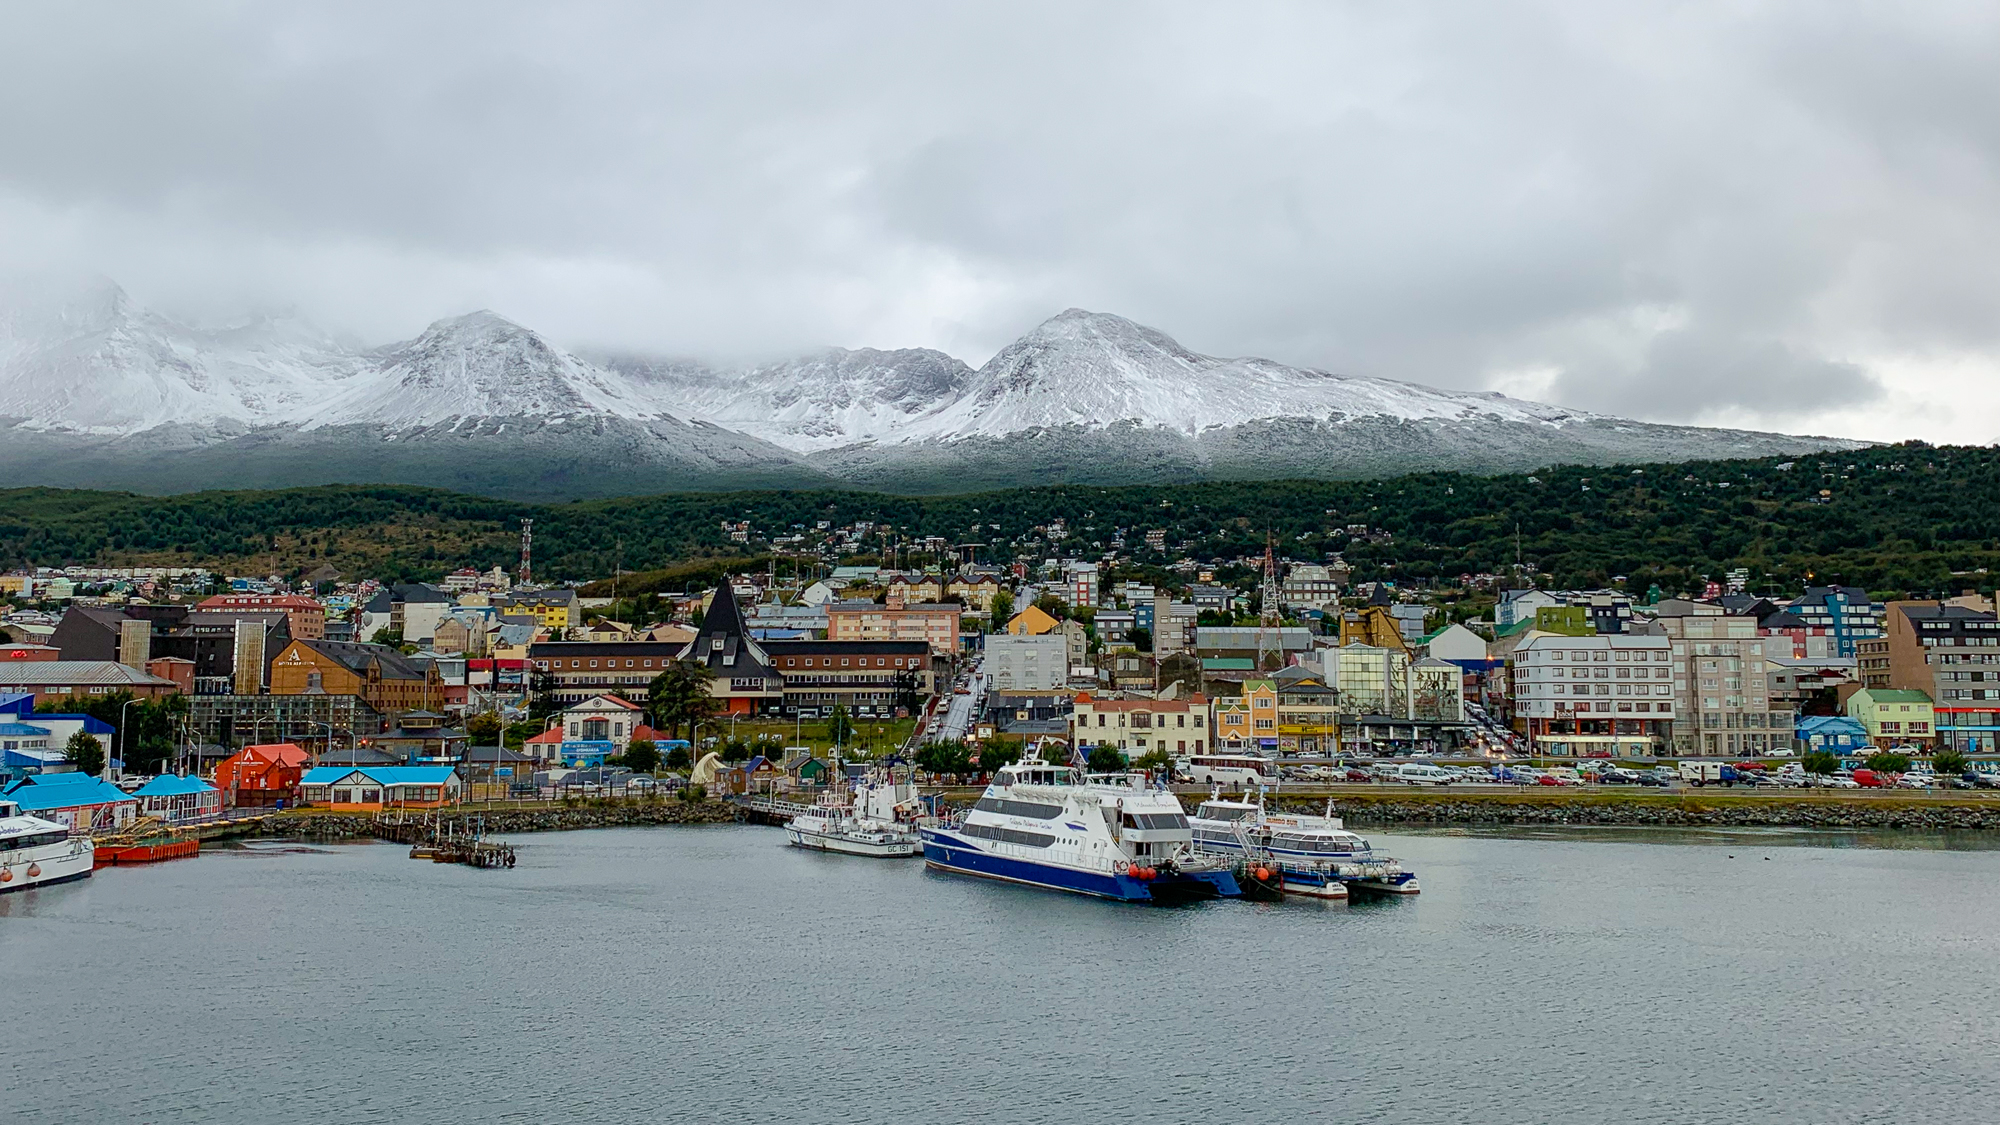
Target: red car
1871,779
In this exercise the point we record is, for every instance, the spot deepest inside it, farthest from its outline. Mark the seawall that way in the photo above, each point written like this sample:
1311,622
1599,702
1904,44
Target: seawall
1647,810
314,825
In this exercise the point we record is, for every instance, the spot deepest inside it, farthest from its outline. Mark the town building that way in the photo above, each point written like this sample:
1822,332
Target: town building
305,616
79,801
1833,734
231,649
933,623
1595,696
1312,586
382,677
1846,614
372,788
262,776
869,678
1721,690
744,682
573,671
410,610
1249,719
177,800
1391,702
603,719
1027,663
1894,716
49,680
976,591
1308,712
1950,653
1136,727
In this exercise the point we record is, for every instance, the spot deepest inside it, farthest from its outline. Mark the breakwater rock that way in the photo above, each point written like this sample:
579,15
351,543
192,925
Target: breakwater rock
553,818
1662,812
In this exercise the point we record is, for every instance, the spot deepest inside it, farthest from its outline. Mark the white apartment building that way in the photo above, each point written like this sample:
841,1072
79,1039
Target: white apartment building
1591,696
1027,663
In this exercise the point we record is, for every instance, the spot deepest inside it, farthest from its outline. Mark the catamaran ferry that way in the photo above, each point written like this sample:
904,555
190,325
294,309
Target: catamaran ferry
1316,855
1107,835
36,852
874,818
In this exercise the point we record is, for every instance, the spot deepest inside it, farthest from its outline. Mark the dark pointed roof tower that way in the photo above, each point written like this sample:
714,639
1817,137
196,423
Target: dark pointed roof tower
723,645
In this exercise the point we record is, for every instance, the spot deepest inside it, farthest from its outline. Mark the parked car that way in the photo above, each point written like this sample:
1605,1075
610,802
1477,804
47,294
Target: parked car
1915,781
1836,781
1870,779
1987,780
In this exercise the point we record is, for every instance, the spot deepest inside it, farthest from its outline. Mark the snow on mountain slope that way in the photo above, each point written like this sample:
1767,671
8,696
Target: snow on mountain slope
1096,370
86,359
476,366
821,401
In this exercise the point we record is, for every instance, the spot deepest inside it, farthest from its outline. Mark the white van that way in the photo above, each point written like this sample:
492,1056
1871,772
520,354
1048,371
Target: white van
1417,773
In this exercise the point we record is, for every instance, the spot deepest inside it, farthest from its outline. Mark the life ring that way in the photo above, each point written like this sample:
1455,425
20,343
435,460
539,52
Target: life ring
34,871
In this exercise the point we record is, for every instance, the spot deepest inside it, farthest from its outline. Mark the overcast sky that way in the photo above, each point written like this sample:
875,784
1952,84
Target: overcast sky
1784,216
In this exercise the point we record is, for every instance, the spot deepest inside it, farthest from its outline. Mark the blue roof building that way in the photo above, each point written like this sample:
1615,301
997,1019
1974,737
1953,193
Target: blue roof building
1836,734
77,799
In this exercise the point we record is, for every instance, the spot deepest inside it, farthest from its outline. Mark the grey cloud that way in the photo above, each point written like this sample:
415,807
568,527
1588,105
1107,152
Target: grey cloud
1625,197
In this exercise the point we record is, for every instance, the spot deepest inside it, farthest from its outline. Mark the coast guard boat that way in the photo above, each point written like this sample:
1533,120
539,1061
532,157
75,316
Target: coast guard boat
1107,835
36,852
1315,855
874,818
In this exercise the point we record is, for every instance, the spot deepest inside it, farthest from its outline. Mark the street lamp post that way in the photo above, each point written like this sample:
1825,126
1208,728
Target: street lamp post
124,738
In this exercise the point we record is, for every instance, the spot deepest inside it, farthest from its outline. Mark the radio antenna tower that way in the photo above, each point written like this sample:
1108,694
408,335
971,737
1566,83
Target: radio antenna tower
527,544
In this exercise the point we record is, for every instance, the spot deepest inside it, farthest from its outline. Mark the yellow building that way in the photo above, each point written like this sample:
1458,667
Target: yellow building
1031,622
1251,720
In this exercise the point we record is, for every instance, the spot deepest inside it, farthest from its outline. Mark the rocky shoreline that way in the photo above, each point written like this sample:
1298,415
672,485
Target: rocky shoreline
1662,812
556,818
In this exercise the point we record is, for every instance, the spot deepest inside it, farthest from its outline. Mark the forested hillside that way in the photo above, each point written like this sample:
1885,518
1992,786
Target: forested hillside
1896,519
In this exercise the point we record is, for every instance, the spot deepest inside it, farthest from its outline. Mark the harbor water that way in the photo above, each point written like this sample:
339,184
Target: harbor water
713,974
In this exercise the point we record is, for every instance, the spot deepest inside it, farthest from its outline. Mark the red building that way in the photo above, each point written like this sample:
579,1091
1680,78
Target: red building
261,776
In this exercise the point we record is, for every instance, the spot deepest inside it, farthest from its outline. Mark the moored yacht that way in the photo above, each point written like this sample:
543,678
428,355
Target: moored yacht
36,852
1108,835
872,818
1315,855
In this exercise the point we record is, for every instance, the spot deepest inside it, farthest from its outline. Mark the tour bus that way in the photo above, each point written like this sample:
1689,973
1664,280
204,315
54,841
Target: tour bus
1230,769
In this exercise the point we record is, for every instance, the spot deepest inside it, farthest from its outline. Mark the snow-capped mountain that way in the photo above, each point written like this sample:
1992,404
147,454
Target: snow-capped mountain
101,392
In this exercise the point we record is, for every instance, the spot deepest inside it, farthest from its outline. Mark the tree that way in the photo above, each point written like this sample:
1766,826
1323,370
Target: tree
1820,762
1141,637
1885,761
484,729
1105,759
1053,606
1155,762
85,752
517,735
677,759
642,756
999,753
387,636
1949,762
1003,610
734,750
682,695
839,727
944,757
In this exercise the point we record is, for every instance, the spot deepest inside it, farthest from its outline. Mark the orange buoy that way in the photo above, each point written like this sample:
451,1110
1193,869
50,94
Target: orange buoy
1151,875
1133,870
1263,874
34,871
6,874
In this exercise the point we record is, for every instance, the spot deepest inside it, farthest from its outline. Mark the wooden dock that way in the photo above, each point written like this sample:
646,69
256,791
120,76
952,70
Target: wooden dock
444,839
762,808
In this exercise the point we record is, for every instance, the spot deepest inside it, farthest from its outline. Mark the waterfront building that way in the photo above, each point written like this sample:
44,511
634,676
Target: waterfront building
1390,702
1894,716
1308,712
260,776
1136,727
605,721
384,678
1951,653
1597,695
869,678
574,671
373,788
49,680
231,650
1834,734
175,799
1722,692
80,801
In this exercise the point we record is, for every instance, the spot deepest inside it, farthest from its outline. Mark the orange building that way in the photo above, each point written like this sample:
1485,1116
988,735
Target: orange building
383,677
306,616
261,776
936,624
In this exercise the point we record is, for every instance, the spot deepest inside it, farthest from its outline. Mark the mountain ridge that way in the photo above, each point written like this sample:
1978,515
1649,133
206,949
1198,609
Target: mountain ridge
96,387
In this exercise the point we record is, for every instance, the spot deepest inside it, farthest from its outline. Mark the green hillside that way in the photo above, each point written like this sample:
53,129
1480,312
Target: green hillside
1895,519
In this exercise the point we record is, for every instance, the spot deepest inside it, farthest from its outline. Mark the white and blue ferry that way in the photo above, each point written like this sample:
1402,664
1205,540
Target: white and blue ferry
1108,835
1315,855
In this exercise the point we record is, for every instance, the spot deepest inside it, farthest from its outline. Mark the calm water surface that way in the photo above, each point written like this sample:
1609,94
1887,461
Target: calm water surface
714,974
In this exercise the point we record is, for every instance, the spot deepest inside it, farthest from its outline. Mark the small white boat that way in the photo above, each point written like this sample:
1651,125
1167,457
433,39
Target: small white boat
873,818
36,852
1315,855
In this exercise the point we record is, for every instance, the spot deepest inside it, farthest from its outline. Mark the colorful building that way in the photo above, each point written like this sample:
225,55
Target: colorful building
78,800
1137,727
370,788
1894,716
261,776
175,799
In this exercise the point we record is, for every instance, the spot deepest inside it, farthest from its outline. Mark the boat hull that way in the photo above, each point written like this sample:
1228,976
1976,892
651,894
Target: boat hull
847,845
47,866
113,854
948,853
